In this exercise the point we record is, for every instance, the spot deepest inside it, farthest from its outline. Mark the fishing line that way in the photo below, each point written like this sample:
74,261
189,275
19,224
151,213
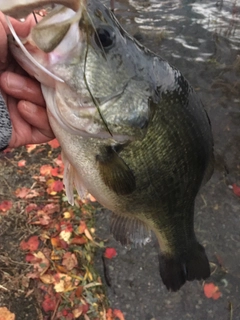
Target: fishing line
86,82
35,17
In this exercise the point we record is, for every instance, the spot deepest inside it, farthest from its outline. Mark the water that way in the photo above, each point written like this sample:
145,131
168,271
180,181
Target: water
201,39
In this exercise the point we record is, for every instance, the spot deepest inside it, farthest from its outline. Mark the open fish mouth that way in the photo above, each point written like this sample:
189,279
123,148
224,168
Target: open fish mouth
20,9
49,37
57,53
56,40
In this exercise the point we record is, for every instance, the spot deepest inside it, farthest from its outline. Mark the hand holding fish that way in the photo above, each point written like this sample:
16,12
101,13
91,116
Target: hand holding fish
22,94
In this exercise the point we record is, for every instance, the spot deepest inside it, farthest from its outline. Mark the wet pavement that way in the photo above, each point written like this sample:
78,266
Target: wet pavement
200,38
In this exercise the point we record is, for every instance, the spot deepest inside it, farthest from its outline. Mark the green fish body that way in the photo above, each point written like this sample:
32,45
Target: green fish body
132,130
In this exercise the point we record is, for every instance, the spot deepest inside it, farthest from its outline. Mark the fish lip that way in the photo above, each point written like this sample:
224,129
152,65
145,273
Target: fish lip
22,10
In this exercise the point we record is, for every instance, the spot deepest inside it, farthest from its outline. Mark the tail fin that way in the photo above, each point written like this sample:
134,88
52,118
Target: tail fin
176,270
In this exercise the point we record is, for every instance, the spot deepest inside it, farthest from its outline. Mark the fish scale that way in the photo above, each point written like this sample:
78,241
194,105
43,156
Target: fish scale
132,130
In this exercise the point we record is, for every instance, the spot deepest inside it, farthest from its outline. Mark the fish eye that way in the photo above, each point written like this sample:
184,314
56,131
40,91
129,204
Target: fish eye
105,37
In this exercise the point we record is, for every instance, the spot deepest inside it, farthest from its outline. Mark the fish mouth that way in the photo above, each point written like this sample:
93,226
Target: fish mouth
56,53
48,41
24,8
54,40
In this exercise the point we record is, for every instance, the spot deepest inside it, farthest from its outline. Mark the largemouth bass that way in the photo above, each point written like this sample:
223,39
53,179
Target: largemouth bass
133,132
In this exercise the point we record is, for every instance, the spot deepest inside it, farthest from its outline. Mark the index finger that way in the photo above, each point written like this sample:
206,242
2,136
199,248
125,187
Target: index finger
22,88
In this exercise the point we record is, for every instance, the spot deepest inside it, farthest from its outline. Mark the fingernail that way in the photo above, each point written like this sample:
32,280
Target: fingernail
15,82
29,107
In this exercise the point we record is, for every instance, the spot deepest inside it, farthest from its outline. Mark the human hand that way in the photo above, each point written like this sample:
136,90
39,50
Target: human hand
22,94
27,110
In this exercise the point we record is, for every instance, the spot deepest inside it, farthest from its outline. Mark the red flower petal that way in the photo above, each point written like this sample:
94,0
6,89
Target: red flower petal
117,313
211,291
21,163
45,170
54,143
49,304
110,253
236,190
31,244
5,205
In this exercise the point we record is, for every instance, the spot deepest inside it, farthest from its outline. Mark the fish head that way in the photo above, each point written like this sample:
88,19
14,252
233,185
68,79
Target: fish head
91,68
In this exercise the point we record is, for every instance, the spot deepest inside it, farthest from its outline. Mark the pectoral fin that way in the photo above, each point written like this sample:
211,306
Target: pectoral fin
115,172
129,230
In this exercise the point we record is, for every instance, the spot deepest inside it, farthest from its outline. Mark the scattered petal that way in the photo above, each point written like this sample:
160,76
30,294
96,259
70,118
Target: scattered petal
41,264
61,269
110,253
5,314
67,215
69,261
54,143
211,291
117,313
30,258
30,147
65,235
109,314
47,278
5,205
32,194
88,234
31,207
63,283
54,186
21,163
25,193
58,186
77,312
236,189
59,161
7,150
51,208
45,170
82,227
56,242
57,172
22,192
43,220
79,291
49,303
78,240
31,244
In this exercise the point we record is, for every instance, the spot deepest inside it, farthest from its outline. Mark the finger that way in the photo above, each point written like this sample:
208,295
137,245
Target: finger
36,116
3,44
22,88
23,118
20,129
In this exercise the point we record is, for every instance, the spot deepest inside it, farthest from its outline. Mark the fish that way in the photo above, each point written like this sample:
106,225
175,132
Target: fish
133,131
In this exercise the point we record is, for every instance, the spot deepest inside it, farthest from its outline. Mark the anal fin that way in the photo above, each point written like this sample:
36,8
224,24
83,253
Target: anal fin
128,230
